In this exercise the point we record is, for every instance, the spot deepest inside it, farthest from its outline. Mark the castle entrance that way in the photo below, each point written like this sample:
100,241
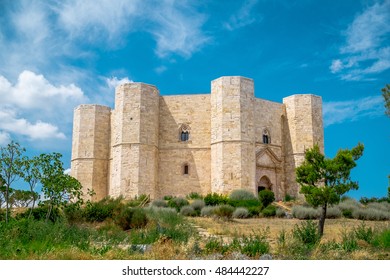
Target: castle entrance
264,184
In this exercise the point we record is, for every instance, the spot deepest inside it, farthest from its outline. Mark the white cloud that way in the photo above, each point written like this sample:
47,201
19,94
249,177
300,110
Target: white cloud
336,66
243,17
363,53
35,108
351,110
113,82
161,69
5,138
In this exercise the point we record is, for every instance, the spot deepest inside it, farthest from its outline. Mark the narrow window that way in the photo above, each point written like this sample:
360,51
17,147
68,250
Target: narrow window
185,171
266,137
184,136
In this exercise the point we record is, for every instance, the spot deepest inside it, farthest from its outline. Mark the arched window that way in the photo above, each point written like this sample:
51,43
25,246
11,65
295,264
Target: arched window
266,137
184,133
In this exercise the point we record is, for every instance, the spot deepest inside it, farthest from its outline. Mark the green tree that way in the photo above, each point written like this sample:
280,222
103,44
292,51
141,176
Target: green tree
22,198
58,188
10,169
323,181
386,96
31,173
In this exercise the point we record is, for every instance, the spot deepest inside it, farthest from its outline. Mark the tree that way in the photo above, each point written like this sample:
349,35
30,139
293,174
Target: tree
31,173
386,96
10,169
22,198
58,188
323,181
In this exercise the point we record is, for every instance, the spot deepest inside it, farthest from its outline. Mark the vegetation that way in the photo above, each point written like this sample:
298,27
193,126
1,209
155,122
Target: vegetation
266,197
323,181
241,194
386,97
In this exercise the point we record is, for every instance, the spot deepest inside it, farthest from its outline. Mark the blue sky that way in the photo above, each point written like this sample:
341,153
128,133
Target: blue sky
55,55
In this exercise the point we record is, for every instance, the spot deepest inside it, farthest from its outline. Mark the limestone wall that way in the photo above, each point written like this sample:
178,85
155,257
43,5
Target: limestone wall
193,111
232,134
90,148
303,129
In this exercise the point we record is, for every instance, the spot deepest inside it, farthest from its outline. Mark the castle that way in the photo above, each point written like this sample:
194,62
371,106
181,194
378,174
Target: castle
178,144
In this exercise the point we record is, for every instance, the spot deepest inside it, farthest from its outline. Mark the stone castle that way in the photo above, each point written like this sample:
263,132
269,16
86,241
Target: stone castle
178,144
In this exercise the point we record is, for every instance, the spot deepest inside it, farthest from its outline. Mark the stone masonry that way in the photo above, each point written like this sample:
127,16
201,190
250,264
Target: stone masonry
178,144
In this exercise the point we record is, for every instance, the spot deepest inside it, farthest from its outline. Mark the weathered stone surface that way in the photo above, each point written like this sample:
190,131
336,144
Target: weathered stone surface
234,141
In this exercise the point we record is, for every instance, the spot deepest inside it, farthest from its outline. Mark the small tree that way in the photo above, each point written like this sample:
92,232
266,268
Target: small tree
323,181
31,174
58,188
386,96
10,169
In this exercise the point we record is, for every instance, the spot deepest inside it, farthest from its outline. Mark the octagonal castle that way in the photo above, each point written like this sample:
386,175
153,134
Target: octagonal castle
178,144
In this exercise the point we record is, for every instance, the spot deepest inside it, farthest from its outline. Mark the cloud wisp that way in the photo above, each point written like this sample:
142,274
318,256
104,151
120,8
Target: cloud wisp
335,112
243,17
366,51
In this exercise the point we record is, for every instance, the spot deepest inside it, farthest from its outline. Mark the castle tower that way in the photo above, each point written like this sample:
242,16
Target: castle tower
134,153
232,135
303,130
90,148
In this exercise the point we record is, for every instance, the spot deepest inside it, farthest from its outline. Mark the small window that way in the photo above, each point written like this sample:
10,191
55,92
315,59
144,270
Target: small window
266,137
185,169
184,133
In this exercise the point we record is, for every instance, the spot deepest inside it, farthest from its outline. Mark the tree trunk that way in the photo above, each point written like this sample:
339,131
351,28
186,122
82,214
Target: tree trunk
321,222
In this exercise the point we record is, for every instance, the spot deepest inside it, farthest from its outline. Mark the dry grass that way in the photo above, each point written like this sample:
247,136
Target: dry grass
332,231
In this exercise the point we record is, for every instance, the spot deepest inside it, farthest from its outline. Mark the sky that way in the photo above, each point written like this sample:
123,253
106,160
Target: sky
56,55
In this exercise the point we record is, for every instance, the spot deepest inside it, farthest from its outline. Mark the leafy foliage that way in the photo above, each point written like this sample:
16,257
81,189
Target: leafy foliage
266,197
178,203
269,211
241,194
323,181
213,199
188,210
241,213
386,97
224,211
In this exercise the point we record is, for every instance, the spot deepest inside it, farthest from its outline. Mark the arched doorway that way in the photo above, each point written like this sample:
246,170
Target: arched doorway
264,184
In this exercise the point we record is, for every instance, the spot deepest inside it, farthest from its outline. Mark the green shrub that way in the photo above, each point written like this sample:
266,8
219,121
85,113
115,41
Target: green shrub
245,203
168,197
348,242
178,203
207,211
266,197
240,213
194,195
348,205
304,213
198,204
39,214
131,218
371,214
381,206
73,213
269,211
288,198
347,213
2,215
280,213
159,203
224,211
363,232
214,245
215,199
187,210
254,245
333,213
254,211
139,219
106,208
306,233
382,239
241,194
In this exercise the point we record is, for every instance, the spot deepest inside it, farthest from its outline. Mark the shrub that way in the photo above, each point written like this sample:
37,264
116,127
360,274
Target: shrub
333,213
382,239
246,203
131,218
306,233
288,198
371,214
348,206
103,209
241,194
39,214
280,213
254,245
269,211
347,213
304,213
215,199
159,203
187,211
207,211
194,195
178,203
381,206
254,211
73,213
168,197
348,242
224,211
362,232
241,213
198,204
266,197
2,215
